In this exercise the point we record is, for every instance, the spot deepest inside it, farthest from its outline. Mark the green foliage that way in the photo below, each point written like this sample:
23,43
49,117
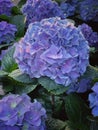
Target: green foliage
18,76
91,72
77,112
51,86
16,10
4,18
22,2
8,63
19,21
3,73
25,88
8,85
55,124
5,45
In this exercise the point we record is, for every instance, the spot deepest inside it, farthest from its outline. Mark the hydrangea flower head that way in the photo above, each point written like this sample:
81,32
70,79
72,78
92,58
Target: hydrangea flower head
89,10
90,36
54,48
80,87
16,111
93,99
36,10
67,8
5,7
7,32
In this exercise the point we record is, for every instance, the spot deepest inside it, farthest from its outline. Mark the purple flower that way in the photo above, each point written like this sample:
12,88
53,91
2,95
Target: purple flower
67,8
36,10
7,32
5,7
89,10
93,99
90,36
15,110
54,48
80,87
38,113
6,127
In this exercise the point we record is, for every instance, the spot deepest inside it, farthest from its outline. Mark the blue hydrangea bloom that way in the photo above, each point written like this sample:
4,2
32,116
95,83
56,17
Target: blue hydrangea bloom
89,10
80,87
93,98
67,9
54,48
75,3
7,32
15,110
90,36
5,7
36,10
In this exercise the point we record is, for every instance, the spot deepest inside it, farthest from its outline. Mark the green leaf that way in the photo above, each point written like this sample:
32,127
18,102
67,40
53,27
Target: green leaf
3,73
15,10
77,112
55,124
8,84
25,89
19,21
4,18
8,63
22,2
21,77
5,45
91,72
51,86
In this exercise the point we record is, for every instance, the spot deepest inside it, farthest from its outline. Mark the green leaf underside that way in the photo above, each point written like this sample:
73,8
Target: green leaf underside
25,89
21,77
3,73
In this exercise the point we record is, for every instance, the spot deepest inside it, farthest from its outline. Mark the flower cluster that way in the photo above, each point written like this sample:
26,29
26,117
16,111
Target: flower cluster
89,10
5,7
80,87
93,98
17,112
36,10
7,32
54,48
67,8
90,36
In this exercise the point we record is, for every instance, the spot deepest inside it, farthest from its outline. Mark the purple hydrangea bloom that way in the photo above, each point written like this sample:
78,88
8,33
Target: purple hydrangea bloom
6,127
89,10
75,3
67,8
37,121
93,98
80,87
5,7
90,36
54,48
36,10
15,110
7,32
